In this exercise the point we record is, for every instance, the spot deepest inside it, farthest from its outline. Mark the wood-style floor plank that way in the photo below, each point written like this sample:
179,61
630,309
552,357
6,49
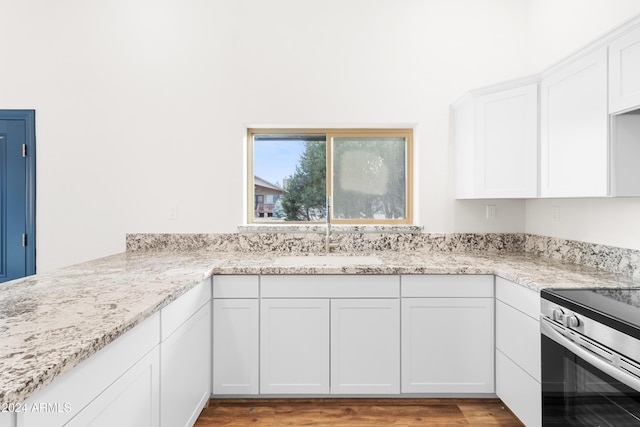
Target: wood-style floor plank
357,413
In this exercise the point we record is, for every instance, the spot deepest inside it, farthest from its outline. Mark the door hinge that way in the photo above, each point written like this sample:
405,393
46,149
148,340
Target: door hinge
24,239
24,150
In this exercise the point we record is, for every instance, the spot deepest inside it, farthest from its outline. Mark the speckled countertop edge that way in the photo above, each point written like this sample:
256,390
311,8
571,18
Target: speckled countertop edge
51,322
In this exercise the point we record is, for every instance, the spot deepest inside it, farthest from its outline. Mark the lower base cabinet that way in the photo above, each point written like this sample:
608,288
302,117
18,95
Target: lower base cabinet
185,372
235,346
294,346
519,391
448,334
365,346
131,401
155,375
518,351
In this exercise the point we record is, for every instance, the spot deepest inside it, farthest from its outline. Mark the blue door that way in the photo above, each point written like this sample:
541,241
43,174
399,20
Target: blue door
17,194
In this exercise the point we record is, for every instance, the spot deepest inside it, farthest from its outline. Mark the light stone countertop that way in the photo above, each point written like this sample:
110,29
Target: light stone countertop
51,322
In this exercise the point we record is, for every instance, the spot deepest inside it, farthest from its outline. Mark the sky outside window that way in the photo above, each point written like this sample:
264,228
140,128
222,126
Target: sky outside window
274,160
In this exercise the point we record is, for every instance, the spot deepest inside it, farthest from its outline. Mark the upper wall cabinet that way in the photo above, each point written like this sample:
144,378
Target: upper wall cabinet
624,72
496,143
574,129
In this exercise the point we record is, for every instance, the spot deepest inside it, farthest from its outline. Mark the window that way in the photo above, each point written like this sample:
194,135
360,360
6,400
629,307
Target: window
365,174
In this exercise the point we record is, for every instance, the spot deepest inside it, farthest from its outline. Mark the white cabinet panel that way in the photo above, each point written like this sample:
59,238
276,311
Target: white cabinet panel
447,285
518,336
574,129
294,346
496,143
132,401
365,346
518,297
8,419
464,131
186,371
236,286
624,72
235,346
176,313
519,391
506,163
447,345
330,286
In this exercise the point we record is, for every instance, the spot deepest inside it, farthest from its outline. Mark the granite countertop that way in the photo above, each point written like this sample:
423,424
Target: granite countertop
51,322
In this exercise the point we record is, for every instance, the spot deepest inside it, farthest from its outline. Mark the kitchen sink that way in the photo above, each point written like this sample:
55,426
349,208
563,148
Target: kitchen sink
328,260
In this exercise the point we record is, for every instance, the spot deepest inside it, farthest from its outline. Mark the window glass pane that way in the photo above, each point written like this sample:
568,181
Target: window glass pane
290,173
369,178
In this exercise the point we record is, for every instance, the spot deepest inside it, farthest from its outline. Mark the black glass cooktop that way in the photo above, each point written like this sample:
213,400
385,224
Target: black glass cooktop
617,308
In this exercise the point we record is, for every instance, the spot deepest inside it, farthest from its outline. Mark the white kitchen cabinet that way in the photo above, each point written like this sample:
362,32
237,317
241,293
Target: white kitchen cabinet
185,354
185,370
236,332
518,359
519,391
235,346
294,346
365,346
123,376
8,419
624,72
574,145
496,143
132,401
297,314
447,334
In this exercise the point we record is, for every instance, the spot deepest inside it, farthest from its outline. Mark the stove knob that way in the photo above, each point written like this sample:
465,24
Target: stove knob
570,321
557,314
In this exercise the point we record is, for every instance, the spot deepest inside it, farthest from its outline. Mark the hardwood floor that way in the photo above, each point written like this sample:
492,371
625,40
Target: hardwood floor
357,413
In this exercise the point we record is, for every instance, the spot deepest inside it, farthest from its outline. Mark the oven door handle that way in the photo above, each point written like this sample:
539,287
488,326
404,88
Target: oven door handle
589,357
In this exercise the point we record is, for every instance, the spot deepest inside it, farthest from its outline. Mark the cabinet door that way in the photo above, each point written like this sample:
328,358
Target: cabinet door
447,345
131,401
574,129
294,346
464,126
506,144
186,371
519,391
235,346
624,72
365,346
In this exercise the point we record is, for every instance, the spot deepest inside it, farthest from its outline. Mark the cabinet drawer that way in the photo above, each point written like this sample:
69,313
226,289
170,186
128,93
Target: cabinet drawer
176,313
518,337
518,297
236,286
447,286
330,286
519,391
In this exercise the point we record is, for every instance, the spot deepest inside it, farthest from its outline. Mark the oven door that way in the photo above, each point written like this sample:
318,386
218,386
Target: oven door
579,388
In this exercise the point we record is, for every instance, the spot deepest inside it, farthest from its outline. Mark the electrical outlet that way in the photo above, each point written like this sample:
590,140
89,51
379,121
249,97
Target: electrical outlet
491,211
172,212
555,214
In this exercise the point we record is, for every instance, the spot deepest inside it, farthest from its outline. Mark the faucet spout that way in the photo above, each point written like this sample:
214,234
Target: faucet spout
327,238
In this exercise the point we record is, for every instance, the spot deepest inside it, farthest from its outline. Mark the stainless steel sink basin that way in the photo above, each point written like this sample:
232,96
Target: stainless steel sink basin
327,260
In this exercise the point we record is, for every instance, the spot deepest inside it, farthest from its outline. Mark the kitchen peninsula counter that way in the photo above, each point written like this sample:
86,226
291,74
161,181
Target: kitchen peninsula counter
50,322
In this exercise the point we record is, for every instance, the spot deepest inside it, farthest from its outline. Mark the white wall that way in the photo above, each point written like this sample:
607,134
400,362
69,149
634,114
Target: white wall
141,104
557,28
